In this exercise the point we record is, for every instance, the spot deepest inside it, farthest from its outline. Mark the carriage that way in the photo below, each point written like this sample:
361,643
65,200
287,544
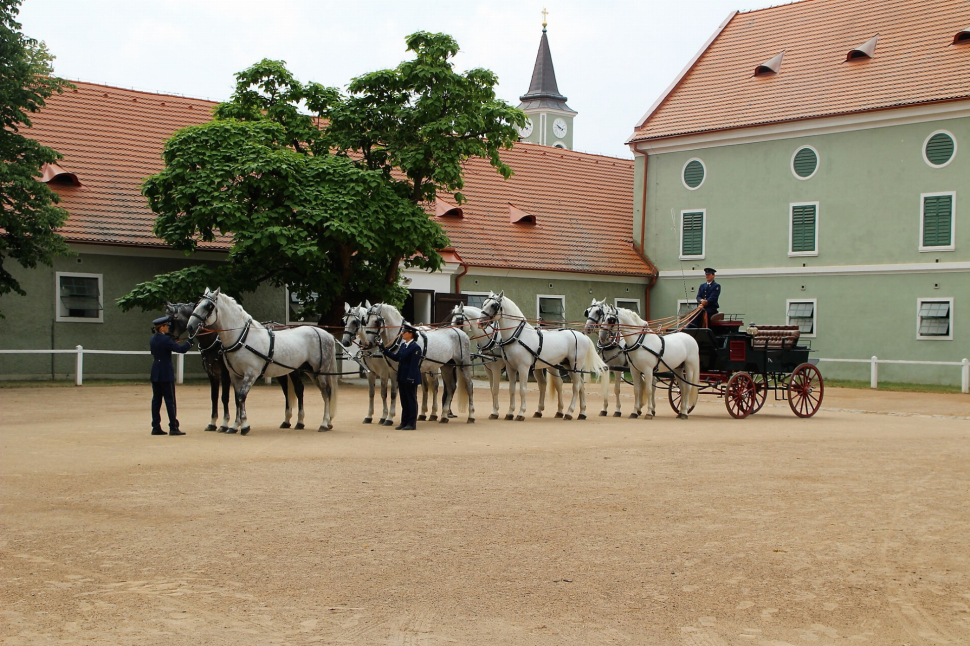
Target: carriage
743,366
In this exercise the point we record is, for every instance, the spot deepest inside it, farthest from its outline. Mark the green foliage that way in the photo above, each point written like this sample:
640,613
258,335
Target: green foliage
28,215
322,192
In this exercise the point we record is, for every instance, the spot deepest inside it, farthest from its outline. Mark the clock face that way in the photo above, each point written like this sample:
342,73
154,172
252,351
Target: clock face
559,128
526,130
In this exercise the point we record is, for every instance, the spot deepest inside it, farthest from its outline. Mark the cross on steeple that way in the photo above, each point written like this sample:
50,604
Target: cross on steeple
544,15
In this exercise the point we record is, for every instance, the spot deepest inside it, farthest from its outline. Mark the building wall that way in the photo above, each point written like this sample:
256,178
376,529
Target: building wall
30,323
868,272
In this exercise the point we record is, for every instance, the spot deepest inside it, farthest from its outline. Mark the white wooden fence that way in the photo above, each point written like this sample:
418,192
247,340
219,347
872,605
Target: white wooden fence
180,364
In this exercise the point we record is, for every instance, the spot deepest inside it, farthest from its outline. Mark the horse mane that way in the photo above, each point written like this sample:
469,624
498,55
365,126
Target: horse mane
631,317
232,301
511,308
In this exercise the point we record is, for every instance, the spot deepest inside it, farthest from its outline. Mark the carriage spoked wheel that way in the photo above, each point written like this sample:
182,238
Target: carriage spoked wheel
760,392
674,395
740,395
805,390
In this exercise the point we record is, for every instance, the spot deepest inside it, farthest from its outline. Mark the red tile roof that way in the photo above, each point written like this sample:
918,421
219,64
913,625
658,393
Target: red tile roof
582,206
915,62
112,140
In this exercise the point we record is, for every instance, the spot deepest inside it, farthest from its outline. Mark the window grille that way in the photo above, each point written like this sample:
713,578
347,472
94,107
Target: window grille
939,149
629,304
552,309
802,314
694,173
80,297
477,300
685,307
934,318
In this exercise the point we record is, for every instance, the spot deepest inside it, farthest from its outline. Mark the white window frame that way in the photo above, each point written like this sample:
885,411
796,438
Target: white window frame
561,297
682,301
791,229
63,318
953,221
919,304
684,167
287,316
927,140
814,302
617,301
818,162
475,294
680,244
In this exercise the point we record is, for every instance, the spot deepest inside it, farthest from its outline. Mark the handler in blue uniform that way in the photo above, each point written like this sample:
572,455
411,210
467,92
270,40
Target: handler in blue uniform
707,295
408,357
163,376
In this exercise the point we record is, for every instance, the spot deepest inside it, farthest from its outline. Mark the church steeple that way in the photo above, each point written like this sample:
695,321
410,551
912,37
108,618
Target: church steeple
551,119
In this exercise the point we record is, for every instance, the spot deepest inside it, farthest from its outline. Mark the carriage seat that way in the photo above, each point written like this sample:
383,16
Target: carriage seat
776,336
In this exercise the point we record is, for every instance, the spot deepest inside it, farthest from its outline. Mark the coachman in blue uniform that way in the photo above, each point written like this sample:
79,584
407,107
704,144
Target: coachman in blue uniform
707,295
408,357
163,376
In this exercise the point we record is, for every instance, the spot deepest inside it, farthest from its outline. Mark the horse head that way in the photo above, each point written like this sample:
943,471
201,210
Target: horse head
206,312
179,313
373,321
492,307
595,315
352,319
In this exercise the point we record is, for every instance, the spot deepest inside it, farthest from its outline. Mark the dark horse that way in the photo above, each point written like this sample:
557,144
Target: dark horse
210,347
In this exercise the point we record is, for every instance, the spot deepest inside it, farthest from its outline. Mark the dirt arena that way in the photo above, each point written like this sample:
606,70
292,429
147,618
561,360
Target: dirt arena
851,527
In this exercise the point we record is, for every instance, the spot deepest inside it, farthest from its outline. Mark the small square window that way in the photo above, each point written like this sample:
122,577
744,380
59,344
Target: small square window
684,308
934,319
629,303
552,309
476,300
301,310
79,298
802,314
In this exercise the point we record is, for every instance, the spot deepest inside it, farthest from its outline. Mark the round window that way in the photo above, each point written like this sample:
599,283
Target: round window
805,162
939,149
693,174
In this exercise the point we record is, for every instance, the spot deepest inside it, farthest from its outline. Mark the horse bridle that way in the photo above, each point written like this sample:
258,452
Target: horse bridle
346,321
210,307
462,319
381,324
608,317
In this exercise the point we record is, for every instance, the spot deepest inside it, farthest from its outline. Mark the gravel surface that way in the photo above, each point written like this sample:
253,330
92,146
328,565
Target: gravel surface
850,527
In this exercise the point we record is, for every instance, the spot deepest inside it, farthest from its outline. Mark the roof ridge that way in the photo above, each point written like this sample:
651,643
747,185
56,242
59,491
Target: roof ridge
145,92
769,7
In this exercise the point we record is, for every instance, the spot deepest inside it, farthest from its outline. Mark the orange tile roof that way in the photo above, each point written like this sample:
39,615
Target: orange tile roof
915,62
112,139
582,204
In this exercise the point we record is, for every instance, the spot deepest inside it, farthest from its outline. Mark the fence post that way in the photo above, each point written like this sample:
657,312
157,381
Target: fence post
179,368
79,367
874,373
965,381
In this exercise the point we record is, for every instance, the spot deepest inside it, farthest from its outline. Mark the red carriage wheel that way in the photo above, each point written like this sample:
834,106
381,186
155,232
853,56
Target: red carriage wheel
673,396
760,392
805,390
739,395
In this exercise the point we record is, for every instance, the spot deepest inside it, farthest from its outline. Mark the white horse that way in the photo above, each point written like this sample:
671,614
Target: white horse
378,366
613,353
251,351
487,337
645,351
525,347
447,349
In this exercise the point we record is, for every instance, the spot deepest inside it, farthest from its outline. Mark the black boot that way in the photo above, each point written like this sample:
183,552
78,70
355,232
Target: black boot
158,431
175,431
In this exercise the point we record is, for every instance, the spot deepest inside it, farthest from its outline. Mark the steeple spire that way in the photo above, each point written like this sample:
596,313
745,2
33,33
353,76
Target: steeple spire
543,90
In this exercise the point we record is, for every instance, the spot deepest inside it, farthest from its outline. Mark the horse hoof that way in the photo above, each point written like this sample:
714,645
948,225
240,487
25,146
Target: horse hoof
493,416
603,413
422,418
451,415
471,420
285,425
582,416
230,431
299,425
632,415
432,418
559,414
210,427
368,420
443,420
537,414
520,418
388,422
681,416
223,429
510,416
323,429
648,416
567,416
244,431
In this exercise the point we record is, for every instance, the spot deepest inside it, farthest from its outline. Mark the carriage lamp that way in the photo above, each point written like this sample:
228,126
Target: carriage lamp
752,330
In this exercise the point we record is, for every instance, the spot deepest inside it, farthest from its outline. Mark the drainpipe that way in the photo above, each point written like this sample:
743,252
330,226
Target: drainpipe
464,270
646,297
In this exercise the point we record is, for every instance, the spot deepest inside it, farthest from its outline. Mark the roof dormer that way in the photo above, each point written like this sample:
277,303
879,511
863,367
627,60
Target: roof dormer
443,209
54,174
518,216
962,37
865,50
770,66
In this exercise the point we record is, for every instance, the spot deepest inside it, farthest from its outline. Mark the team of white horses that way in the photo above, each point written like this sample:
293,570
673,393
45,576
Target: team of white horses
505,340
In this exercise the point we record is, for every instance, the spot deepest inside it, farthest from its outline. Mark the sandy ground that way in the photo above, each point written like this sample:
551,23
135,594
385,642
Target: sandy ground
851,527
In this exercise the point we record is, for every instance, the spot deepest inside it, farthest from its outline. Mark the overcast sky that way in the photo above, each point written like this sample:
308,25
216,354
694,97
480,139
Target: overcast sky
612,58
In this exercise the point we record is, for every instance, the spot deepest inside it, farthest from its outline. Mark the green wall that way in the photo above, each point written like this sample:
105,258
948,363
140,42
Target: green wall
868,187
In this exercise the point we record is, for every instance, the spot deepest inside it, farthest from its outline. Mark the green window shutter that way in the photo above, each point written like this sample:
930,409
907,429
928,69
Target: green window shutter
939,149
803,228
937,220
693,235
806,161
694,174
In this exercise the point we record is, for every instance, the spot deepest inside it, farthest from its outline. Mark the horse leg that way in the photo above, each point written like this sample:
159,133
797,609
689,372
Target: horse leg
582,395
224,377
284,381
494,383
214,393
242,387
384,380
513,379
606,400
468,376
448,383
433,417
323,383
371,388
541,376
577,387
297,380
523,385
557,382
650,391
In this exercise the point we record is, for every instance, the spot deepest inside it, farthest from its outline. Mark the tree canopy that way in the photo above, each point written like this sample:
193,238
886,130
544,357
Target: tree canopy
29,217
321,191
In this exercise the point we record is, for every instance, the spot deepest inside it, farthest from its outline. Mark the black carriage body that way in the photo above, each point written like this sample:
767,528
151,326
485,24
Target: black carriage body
735,351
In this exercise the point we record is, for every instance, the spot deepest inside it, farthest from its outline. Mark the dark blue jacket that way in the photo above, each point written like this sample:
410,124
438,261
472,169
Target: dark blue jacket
408,359
710,291
162,348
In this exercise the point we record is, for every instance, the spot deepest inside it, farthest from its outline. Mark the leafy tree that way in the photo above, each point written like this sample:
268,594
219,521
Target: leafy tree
28,215
322,191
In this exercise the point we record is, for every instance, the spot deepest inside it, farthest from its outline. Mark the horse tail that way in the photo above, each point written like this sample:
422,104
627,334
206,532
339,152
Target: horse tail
693,371
461,392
